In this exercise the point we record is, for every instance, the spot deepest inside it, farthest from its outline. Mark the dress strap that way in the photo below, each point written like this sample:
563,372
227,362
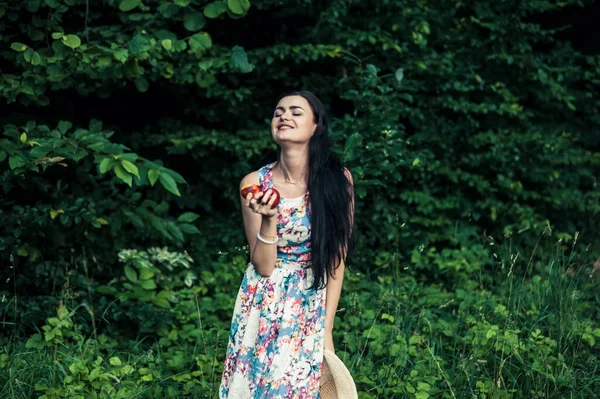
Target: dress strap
265,177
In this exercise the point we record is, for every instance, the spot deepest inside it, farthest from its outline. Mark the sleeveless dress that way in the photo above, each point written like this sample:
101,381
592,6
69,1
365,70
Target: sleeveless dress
275,348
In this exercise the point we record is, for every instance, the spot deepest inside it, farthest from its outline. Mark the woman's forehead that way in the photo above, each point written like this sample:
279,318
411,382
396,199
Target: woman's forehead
289,101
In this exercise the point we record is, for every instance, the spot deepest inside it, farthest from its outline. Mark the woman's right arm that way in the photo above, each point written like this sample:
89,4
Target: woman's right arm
263,256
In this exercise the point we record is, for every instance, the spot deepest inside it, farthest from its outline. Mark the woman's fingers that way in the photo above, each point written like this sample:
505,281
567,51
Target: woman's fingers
265,197
262,202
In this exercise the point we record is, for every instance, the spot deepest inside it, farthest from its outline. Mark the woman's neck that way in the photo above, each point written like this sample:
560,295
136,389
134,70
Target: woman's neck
293,166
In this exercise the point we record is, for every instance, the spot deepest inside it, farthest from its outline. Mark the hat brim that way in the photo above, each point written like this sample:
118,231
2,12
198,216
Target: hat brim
336,380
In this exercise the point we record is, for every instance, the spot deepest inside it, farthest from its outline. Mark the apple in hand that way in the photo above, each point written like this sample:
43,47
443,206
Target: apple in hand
250,188
275,193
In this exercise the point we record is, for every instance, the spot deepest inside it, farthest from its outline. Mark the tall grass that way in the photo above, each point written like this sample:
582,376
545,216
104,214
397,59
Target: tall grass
518,325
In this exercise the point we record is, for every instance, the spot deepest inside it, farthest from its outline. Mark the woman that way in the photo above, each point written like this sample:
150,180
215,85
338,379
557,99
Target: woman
286,305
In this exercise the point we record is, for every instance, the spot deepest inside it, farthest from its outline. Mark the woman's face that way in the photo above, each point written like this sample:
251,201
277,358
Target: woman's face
293,121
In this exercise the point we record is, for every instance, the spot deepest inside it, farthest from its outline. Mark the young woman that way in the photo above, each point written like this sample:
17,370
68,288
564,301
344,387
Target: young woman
286,305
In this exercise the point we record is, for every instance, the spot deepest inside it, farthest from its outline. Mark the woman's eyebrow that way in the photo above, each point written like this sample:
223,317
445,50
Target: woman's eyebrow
292,107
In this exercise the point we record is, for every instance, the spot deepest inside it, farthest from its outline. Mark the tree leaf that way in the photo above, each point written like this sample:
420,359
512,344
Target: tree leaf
72,41
148,284
238,7
239,60
15,161
153,176
123,174
167,44
131,274
163,303
106,165
200,42
182,3
20,47
28,54
36,59
188,217
64,126
128,5
141,84
189,228
215,9
194,21
121,54
399,74
146,274
114,361
55,212
168,183
23,138
138,44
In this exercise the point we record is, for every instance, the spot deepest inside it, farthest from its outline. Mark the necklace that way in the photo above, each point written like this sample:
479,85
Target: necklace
287,180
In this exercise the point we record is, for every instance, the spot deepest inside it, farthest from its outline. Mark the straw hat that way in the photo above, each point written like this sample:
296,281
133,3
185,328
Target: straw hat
336,381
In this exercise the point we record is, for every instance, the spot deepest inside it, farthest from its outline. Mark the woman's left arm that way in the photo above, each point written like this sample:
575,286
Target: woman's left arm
334,282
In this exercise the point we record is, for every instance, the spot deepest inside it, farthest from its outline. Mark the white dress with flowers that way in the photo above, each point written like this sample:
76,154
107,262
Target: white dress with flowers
275,348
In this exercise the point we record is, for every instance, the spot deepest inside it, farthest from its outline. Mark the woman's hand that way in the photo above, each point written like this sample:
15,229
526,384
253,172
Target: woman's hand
262,203
329,340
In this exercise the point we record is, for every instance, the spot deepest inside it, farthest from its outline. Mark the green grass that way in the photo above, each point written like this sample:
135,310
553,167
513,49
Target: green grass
505,325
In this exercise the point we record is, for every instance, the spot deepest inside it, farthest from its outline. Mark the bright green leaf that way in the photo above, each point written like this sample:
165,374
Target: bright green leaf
72,41
102,221
57,35
106,165
238,7
115,361
146,274
20,47
123,174
121,54
153,175
167,44
23,137
168,183
215,9
55,212
36,59
148,284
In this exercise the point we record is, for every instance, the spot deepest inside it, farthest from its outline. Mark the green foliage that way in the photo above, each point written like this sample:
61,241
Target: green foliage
469,126
512,336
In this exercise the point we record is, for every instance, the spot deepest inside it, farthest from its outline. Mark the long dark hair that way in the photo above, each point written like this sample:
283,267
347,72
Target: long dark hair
332,238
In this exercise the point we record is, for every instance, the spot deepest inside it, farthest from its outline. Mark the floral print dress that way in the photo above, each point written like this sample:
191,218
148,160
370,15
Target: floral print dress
275,348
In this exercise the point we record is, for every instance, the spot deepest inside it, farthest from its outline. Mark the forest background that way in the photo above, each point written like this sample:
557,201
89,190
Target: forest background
472,132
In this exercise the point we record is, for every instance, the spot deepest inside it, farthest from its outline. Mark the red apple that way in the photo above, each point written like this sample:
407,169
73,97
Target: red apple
277,196
250,188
